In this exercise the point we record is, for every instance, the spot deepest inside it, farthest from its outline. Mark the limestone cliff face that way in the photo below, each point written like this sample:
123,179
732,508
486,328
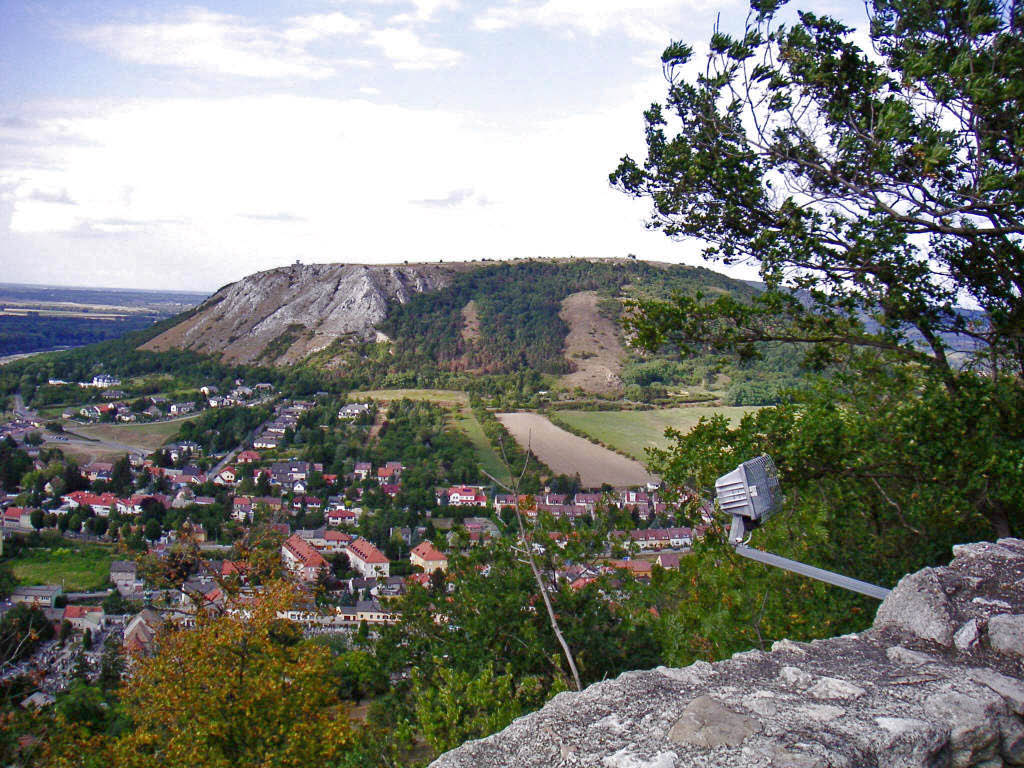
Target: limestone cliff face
284,314
935,683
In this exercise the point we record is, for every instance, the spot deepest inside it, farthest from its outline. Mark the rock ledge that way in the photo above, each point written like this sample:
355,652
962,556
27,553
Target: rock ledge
937,682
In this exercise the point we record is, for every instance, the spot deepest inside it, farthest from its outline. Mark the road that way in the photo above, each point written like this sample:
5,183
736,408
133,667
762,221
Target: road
20,410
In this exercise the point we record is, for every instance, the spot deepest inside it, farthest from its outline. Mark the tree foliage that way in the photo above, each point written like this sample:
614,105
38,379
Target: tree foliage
242,688
879,190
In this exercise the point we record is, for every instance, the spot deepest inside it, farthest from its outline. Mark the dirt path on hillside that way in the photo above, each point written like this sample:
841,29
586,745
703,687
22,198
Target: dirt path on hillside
568,454
592,346
470,322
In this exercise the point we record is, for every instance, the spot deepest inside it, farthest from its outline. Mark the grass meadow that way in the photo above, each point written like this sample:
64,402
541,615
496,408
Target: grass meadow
631,432
81,567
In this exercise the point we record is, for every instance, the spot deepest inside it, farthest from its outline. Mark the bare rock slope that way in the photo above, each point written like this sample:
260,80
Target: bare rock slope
285,314
935,683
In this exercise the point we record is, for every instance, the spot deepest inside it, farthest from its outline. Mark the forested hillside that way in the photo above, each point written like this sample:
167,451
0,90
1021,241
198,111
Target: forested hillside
518,305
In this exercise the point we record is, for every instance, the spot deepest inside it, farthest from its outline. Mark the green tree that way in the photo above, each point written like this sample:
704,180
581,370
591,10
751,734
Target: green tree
153,529
112,664
38,518
878,193
889,191
878,197
236,690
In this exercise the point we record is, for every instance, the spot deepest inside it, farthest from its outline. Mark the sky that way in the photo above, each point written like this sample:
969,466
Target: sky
186,145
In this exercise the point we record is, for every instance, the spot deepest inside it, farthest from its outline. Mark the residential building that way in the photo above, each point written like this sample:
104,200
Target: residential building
43,596
463,496
83,617
367,559
302,559
141,632
428,557
124,575
353,410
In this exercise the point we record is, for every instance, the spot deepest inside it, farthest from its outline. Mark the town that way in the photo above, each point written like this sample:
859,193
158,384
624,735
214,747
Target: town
353,532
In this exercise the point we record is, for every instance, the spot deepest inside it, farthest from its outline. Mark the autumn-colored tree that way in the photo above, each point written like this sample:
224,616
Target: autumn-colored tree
242,688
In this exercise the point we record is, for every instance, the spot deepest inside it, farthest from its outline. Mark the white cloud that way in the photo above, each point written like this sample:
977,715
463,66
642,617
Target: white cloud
406,51
198,192
645,20
306,29
424,10
226,45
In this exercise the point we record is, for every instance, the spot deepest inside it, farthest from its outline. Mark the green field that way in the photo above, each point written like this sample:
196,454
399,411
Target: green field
448,396
81,567
632,431
485,454
464,420
147,437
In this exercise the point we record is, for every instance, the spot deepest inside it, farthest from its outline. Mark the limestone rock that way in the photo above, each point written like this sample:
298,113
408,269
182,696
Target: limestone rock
795,677
974,724
918,606
1011,745
967,636
707,723
834,688
1006,633
1011,689
888,697
303,307
902,655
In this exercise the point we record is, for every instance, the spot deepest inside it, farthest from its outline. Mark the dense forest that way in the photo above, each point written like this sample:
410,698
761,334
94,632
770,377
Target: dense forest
519,304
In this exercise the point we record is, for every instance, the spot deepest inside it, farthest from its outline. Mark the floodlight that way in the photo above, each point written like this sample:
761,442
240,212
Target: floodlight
751,494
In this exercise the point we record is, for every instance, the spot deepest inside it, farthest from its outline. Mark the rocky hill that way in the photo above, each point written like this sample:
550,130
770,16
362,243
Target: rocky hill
550,316
936,683
282,315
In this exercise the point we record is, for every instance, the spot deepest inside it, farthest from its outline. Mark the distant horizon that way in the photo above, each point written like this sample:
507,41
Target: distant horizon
124,289
736,274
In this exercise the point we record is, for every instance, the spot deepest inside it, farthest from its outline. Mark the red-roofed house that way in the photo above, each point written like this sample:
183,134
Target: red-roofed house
428,557
310,502
669,559
301,559
101,504
343,516
17,517
466,496
367,559
336,541
233,568
83,617
248,457
390,473
423,579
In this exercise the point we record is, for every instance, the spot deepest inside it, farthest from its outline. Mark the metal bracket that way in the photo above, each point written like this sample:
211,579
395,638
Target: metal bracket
738,537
